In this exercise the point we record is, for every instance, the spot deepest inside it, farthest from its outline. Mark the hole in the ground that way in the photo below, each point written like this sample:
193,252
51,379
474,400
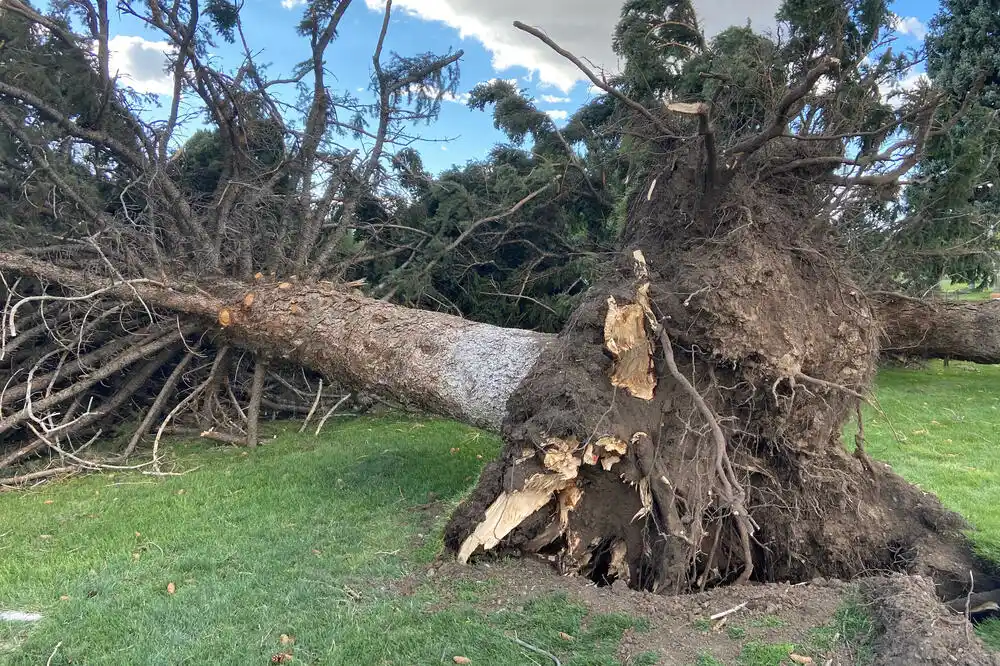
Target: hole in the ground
901,556
600,569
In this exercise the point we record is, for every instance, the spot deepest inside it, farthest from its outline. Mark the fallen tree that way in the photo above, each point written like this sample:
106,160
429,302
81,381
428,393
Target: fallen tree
437,362
539,385
932,328
683,430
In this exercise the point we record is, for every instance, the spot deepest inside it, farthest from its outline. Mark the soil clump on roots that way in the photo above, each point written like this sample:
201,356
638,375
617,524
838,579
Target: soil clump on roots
685,431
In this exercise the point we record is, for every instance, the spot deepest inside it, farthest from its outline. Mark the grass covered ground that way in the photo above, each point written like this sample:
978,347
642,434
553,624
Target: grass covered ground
300,538
307,546
940,429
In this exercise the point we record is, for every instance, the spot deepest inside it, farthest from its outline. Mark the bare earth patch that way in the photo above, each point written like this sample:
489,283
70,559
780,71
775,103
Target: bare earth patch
909,625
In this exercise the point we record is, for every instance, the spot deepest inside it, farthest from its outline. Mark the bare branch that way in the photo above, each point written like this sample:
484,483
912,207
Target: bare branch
783,112
617,94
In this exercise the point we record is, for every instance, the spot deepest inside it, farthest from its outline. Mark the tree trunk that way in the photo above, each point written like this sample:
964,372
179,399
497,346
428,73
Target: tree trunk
427,360
958,330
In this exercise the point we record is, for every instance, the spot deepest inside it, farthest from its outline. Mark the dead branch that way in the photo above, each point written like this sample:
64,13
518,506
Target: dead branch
139,352
13,481
166,393
617,94
312,410
330,412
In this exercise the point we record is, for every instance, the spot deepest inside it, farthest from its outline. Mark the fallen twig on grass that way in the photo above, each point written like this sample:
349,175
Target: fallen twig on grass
728,612
52,656
536,650
187,471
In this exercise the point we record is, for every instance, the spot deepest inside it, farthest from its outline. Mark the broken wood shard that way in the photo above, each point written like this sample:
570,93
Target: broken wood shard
609,462
688,108
568,500
561,458
626,338
609,443
511,509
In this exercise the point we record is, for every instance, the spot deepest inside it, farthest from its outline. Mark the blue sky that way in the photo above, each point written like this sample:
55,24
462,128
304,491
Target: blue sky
482,28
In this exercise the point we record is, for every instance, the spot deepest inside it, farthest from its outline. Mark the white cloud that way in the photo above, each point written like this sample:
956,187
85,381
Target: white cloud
557,114
292,4
909,25
583,27
460,98
555,99
141,64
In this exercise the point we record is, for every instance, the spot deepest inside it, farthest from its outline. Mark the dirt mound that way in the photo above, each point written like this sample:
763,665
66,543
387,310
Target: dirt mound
916,629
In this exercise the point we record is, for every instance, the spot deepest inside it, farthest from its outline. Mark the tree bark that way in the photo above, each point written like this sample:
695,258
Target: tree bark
957,330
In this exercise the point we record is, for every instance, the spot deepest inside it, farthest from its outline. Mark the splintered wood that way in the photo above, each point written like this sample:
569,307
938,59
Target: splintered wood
507,512
562,460
512,508
625,336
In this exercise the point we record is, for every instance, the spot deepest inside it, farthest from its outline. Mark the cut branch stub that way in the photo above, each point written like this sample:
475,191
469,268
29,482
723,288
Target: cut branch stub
688,108
625,336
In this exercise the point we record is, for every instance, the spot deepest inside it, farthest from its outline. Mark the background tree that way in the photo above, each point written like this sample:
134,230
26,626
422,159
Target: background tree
953,205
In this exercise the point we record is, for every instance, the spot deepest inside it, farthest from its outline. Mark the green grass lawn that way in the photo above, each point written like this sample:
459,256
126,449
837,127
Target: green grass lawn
300,537
311,538
940,429
949,288
943,434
